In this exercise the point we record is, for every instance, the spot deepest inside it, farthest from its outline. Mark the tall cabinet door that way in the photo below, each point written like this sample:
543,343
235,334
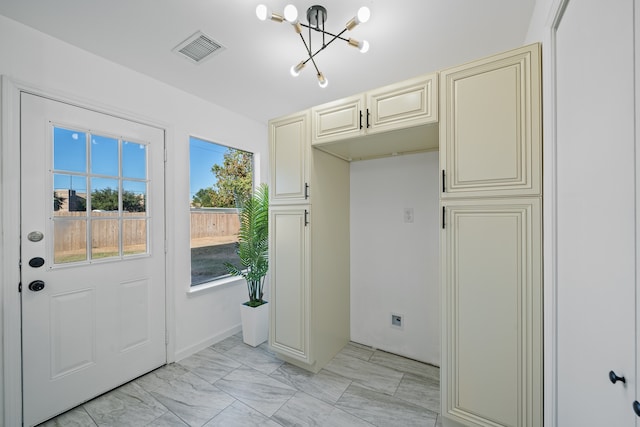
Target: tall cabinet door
289,150
290,281
492,266
489,118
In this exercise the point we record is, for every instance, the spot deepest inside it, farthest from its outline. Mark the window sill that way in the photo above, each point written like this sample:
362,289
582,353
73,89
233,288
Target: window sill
215,284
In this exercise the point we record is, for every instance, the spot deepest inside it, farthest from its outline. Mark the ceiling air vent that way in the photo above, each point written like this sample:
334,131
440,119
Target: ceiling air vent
198,47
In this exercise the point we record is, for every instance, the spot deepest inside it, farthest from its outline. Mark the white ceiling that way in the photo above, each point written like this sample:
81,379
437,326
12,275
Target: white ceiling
251,76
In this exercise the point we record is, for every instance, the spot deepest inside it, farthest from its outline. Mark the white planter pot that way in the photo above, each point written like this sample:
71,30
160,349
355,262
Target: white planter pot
255,324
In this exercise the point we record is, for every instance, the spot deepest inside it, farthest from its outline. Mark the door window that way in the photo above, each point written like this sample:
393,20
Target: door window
99,196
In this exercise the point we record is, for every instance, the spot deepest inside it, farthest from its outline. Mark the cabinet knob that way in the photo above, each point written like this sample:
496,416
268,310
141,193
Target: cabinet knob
636,407
615,378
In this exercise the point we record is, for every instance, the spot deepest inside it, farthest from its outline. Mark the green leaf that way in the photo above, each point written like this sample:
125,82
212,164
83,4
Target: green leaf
253,243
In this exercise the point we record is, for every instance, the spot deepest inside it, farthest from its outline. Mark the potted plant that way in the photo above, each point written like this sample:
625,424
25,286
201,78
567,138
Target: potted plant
253,245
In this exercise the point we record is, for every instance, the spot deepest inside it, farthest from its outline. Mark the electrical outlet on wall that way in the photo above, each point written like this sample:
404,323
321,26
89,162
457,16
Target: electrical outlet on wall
408,214
397,320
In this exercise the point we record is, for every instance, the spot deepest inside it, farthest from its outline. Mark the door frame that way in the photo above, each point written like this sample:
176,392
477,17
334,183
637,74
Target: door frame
10,298
550,213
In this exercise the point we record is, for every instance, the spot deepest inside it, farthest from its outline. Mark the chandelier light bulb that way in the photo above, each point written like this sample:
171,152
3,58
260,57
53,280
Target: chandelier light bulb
291,13
262,12
363,15
322,81
363,46
295,70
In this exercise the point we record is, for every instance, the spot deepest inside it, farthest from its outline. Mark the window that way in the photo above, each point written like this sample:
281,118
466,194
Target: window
220,179
99,196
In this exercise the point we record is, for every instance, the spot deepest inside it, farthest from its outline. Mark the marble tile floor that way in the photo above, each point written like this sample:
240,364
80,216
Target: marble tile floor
232,384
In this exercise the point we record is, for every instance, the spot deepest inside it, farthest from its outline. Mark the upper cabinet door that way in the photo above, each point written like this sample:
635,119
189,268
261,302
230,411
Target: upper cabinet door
289,147
409,103
338,120
490,128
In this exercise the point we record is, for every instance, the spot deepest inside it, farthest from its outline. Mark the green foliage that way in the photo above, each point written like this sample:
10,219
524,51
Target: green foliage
253,244
234,178
58,201
234,181
204,198
106,199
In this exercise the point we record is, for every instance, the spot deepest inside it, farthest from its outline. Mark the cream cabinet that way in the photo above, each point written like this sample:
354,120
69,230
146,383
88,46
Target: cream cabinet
290,281
338,120
491,271
289,150
491,369
402,105
490,142
308,247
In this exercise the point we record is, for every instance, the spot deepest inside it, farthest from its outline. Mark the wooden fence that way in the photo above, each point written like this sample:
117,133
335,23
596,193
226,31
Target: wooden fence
214,222
69,234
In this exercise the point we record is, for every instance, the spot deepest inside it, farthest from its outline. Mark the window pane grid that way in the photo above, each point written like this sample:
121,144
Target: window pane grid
98,214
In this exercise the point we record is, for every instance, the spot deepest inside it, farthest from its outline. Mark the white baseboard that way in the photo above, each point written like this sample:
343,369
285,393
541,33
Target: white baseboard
186,352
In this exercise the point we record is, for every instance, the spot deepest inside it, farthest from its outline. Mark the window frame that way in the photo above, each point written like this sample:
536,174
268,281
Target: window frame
227,279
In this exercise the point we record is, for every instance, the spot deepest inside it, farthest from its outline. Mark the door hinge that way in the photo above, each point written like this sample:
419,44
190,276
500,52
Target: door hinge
444,212
444,186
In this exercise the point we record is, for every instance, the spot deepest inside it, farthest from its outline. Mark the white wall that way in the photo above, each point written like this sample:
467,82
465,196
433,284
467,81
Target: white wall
36,59
394,265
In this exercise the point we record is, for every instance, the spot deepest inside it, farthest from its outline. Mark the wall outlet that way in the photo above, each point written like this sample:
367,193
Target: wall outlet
408,214
396,320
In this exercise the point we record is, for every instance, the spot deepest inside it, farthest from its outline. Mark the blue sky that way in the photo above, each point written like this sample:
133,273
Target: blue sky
70,155
203,155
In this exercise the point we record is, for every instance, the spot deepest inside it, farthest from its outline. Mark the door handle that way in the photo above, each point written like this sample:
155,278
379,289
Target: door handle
615,378
36,285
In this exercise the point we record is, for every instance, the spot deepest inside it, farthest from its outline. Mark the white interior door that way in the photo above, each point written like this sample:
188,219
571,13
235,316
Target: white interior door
596,224
92,253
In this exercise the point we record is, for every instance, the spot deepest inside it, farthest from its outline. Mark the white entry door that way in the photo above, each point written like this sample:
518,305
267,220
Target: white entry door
92,254
596,214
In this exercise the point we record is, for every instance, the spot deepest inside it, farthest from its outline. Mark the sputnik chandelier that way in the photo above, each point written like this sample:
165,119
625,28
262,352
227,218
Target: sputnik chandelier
316,17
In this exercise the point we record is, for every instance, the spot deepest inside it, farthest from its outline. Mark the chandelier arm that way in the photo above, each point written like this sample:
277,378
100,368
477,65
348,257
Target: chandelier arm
335,36
308,48
323,33
312,55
